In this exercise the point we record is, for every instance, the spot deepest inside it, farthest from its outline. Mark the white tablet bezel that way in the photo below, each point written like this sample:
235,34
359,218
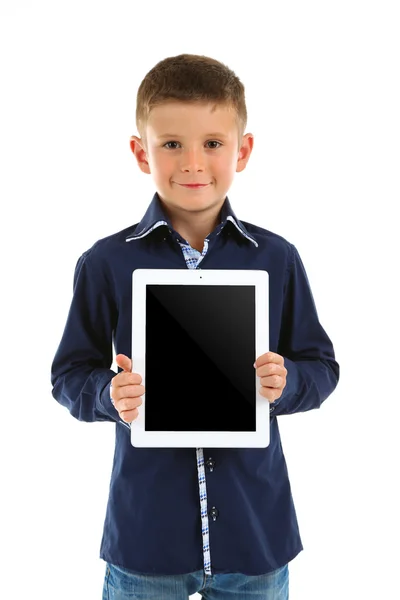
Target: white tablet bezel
199,439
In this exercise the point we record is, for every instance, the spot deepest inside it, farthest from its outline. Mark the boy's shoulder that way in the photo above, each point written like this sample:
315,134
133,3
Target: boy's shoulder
110,242
260,234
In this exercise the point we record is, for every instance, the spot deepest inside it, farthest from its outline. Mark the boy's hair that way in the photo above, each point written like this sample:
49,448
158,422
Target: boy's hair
190,78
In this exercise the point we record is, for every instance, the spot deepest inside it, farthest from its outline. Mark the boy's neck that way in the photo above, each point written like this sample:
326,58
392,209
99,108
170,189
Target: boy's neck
194,231
194,228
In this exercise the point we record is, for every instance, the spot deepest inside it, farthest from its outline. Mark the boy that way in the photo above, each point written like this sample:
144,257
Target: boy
220,522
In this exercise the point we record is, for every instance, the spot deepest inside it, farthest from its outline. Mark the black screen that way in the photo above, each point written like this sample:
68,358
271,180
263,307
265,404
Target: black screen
200,350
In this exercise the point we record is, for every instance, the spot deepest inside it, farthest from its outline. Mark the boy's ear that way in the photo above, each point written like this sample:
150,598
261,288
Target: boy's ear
245,151
138,149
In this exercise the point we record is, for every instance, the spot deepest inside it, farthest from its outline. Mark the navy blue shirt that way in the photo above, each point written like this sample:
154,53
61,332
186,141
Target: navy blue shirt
153,523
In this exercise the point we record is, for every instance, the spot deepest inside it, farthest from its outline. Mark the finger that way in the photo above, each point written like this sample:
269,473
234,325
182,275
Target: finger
125,378
131,378
124,362
273,381
128,391
129,415
269,357
270,394
127,404
271,369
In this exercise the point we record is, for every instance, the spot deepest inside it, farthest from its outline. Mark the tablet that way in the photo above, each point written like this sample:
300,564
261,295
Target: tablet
195,337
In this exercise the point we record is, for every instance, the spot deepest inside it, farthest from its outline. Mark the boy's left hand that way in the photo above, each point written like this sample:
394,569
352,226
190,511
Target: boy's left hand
271,370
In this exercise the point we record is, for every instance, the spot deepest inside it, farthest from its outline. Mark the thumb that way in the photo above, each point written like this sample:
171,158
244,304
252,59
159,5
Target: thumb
124,362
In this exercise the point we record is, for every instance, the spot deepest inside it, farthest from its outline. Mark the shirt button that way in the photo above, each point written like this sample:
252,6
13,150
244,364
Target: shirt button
210,464
214,513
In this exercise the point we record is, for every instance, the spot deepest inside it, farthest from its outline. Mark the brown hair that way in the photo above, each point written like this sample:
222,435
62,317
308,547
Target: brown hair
190,78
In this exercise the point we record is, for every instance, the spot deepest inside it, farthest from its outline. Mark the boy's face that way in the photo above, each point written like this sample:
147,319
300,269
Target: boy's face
187,143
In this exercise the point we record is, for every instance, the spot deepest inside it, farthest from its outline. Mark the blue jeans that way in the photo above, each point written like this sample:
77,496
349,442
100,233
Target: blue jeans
122,584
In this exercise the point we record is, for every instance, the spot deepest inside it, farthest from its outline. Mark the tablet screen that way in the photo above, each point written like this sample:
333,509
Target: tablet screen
200,350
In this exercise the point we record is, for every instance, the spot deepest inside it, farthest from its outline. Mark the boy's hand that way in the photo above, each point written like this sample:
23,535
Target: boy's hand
126,390
270,368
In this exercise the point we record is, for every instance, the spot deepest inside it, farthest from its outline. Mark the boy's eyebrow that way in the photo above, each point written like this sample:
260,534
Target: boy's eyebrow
175,135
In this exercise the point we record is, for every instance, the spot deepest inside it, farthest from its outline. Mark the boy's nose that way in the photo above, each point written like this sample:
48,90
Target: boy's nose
192,160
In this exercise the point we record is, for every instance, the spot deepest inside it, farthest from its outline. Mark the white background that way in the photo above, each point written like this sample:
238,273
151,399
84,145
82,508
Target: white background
322,89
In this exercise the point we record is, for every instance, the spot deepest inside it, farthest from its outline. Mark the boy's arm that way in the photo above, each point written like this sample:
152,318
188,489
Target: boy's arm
313,372
80,373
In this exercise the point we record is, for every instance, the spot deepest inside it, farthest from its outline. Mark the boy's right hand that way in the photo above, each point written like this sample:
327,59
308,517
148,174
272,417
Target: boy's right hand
126,390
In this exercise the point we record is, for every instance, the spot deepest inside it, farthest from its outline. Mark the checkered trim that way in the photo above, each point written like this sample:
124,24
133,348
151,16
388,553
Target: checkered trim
193,258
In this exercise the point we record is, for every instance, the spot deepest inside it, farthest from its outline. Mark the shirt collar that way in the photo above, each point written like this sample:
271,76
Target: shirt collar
155,216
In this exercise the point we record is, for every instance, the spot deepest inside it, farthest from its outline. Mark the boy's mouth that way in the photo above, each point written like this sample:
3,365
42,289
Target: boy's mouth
194,185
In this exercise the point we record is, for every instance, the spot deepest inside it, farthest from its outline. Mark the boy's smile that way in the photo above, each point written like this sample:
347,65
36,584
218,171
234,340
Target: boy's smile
193,153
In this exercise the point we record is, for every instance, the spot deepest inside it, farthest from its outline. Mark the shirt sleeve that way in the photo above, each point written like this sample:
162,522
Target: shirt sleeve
80,372
313,372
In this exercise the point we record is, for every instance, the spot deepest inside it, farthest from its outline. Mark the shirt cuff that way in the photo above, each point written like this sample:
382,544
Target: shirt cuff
292,383
117,418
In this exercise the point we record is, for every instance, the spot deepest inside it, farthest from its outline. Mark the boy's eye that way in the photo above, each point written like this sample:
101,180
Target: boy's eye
166,145
210,142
